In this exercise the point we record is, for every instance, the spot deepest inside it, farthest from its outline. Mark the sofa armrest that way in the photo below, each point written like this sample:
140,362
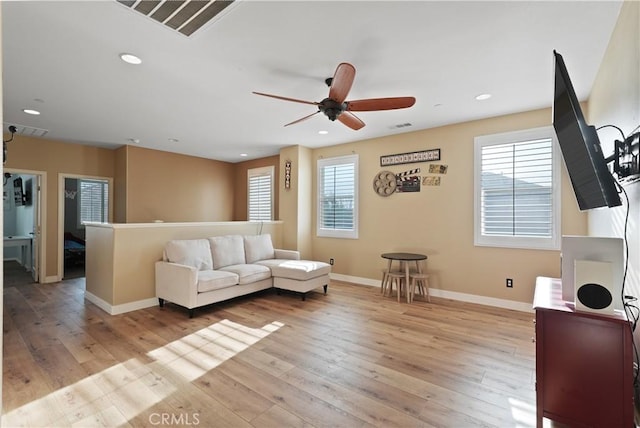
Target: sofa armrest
287,254
177,283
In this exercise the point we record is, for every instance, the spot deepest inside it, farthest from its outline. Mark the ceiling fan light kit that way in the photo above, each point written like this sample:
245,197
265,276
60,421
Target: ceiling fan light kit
335,106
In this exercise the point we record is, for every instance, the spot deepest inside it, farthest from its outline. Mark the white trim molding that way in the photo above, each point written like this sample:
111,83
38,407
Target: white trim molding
445,294
435,292
120,309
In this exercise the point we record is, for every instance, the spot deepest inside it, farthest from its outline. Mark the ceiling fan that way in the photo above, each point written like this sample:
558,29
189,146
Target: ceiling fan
335,106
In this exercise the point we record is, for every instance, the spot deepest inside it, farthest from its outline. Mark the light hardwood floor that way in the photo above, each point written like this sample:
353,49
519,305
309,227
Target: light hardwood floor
351,358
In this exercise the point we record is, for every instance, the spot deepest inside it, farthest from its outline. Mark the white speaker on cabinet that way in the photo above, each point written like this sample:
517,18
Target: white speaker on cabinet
594,286
592,278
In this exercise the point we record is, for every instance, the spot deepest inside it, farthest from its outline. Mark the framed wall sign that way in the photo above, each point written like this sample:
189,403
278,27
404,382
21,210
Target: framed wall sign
287,174
411,157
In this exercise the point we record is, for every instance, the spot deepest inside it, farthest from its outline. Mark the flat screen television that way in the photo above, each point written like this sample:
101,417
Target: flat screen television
593,183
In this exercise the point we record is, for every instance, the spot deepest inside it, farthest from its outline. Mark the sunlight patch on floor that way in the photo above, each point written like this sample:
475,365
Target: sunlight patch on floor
524,414
121,392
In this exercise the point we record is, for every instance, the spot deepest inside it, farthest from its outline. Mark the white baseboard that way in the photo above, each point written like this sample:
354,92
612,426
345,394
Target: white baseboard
453,295
49,279
98,302
120,309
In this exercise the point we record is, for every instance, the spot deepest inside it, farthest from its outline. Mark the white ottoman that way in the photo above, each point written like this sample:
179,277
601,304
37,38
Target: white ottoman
301,276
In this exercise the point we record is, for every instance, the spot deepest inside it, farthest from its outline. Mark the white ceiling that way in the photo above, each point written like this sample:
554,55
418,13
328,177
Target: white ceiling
62,58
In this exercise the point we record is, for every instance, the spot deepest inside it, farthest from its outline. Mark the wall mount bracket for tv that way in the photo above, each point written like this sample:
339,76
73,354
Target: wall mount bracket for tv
626,158
13,130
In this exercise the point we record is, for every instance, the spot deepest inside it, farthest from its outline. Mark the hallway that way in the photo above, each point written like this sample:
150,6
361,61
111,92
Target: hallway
15,274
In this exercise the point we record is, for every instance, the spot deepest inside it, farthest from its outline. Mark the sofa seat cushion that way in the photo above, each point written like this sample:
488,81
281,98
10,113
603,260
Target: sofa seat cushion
190,252
272,262
300,270
227,250
209,280
248,273
258,247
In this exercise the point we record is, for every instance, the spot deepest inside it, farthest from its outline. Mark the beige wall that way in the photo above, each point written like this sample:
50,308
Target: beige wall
438,220
120,186
121,257
615,100
288,201
55,157
1,214
177,188
148,184
305,226
99,263
296,201
240,210
615,96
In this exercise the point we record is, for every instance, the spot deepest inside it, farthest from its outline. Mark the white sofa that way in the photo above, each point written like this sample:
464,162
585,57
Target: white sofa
198,272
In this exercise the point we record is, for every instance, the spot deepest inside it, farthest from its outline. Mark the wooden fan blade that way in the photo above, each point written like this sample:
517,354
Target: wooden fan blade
350,120
373,104
304,118
287,99
341,82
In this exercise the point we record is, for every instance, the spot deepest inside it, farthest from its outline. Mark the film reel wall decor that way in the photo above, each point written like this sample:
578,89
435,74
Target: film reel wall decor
386,183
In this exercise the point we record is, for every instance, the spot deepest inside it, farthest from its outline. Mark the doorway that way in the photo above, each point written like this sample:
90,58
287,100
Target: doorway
22,226
83,199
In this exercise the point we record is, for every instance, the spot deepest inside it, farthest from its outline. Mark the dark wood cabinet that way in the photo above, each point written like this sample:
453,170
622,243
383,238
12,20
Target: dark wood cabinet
584,363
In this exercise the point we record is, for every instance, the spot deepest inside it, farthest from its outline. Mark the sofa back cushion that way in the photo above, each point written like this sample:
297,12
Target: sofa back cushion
258,247
227,250
191,252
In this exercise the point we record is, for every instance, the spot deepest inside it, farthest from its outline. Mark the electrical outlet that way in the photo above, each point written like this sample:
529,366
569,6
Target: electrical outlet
331,262
509,283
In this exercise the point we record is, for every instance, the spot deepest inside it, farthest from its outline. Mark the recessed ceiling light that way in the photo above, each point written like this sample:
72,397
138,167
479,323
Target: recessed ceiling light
133,140
437,105
323,132
31,111
483,97
244,155
130,58
173,140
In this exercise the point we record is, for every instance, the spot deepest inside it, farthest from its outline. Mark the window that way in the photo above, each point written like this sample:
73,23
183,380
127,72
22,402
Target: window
338,197
517,190
260,204
94,201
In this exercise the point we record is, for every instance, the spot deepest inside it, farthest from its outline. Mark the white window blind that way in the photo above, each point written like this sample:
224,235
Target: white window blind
260,192
517,199
338,197
94,201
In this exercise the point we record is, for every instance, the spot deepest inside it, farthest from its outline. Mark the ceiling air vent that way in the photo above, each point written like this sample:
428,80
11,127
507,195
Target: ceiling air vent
183,16
400,125
29,131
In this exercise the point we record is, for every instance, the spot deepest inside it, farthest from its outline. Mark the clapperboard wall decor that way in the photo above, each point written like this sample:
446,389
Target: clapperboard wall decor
386,183
408,181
